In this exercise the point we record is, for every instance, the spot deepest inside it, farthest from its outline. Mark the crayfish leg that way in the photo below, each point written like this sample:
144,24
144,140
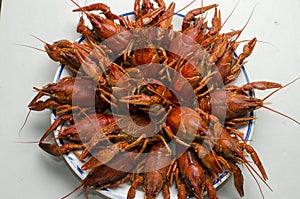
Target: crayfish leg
256,159
238,178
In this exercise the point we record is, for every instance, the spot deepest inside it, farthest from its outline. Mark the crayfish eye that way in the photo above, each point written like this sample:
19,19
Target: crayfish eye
235,154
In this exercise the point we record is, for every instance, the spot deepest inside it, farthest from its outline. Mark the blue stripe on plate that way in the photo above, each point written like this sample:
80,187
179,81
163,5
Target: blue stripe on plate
60,70
126,14
252,94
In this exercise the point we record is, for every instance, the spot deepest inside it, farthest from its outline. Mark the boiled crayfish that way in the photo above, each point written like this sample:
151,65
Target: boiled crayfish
148,105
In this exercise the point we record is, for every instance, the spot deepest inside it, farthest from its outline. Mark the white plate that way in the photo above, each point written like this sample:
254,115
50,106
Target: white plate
120,192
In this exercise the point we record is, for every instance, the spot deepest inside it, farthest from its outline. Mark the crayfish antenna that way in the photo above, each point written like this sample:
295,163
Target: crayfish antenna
37,142
252,171
23,125
249,168
272,93
175,13
247,22
202,7
38,39
30,142
234,8
28,46
80,8
32,47
44,42
76,189
280,88
258,41
184,7
282,114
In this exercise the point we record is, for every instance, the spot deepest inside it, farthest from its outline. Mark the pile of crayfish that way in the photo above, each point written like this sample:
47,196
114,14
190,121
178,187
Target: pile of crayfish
151,106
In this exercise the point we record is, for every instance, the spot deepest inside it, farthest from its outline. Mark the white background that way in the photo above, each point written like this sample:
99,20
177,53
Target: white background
28,172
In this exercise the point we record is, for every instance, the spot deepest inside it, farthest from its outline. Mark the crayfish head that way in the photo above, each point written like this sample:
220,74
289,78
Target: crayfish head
185,122
195,177
104,28
228,147
60,91
229,104
240,105
52,149
153,187
56,50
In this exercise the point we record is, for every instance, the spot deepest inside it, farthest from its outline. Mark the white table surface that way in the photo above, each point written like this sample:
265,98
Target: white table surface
28,172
